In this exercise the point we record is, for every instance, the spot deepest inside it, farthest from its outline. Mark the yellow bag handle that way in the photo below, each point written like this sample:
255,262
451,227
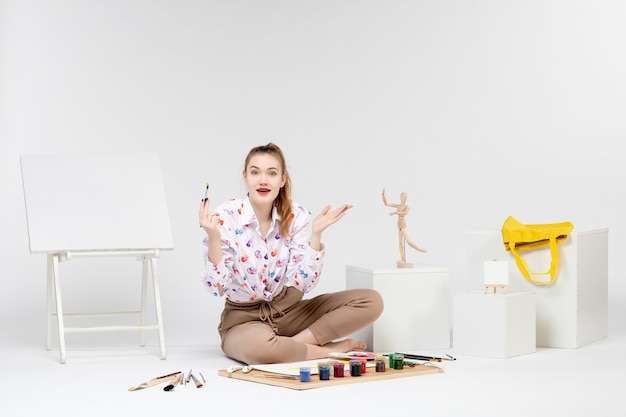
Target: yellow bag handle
520,236
523,266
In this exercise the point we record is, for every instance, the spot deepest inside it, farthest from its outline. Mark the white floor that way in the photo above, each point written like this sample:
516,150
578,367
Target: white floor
588,381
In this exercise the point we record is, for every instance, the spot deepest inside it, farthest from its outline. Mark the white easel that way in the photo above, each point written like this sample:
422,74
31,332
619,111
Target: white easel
97,205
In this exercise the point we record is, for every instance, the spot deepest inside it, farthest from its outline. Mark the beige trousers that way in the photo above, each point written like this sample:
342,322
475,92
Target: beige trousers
261,332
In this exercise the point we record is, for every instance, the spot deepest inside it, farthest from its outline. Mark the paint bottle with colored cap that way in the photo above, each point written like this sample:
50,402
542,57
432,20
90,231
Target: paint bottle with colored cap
380,364
355,368
324,372
305,374
398,361
338,368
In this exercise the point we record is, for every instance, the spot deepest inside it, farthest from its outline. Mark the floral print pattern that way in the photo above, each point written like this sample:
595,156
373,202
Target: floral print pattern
256,267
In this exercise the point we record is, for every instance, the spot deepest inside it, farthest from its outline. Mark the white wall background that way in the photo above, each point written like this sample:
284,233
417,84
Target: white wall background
476,109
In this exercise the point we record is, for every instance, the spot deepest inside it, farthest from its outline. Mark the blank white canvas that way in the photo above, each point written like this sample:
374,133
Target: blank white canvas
496,273
79,202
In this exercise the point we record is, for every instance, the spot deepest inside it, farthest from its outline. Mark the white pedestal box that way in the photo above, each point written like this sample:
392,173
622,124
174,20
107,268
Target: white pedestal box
417,307
573,310
494,325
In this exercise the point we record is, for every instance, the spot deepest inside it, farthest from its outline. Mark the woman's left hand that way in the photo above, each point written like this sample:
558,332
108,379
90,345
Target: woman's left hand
328,217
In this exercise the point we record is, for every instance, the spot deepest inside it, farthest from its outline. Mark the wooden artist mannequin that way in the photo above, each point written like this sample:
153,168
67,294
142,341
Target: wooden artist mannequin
401,210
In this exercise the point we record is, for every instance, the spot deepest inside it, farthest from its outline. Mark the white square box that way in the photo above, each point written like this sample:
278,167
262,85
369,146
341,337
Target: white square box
572,311
494,325
417,307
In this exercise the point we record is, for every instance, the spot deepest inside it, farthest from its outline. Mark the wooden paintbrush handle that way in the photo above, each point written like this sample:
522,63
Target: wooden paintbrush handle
196,381
174,382
155,381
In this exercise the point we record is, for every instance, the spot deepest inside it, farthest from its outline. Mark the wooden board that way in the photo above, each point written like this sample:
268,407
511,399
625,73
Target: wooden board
371,375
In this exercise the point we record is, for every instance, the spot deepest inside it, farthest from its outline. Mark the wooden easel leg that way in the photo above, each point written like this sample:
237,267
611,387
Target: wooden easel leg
495,288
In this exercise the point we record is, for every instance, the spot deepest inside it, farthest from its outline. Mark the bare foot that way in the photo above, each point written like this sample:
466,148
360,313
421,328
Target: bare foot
343,346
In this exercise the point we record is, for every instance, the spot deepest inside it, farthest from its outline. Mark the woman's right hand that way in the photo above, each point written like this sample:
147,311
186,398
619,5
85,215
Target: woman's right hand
209,221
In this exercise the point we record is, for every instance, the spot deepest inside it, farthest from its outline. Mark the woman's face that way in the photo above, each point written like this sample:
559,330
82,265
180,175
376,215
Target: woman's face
263,178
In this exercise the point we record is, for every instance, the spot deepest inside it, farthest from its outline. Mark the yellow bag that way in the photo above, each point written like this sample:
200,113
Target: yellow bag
517,236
